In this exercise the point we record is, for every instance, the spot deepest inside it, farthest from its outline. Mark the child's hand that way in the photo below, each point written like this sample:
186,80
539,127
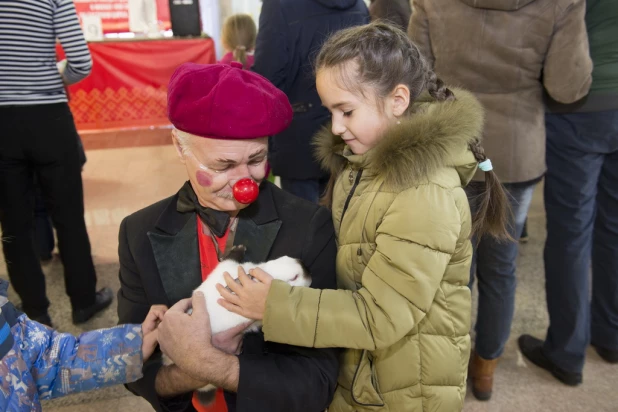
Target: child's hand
154,317
149,330
149,344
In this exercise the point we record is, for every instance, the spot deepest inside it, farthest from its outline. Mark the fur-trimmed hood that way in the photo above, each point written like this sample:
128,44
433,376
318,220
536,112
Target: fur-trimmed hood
436,135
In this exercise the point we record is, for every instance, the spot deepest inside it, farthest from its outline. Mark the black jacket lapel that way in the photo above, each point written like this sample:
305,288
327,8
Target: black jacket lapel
258,226
176,251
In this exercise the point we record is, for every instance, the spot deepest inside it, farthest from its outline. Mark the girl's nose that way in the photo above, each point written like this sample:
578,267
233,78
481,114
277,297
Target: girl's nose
338,128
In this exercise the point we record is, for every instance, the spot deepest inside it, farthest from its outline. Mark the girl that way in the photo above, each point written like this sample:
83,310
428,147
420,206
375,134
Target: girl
399,160
238,38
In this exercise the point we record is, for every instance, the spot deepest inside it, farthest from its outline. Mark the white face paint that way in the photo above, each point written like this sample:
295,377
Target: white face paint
215,165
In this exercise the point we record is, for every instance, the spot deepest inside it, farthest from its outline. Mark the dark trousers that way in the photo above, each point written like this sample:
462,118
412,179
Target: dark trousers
43,229
41,141
308,189
494,264
581,202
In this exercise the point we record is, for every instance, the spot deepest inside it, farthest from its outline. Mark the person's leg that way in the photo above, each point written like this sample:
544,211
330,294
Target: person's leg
58,168
523,238
82,153
308,189
43,230
604,307
573,167
496,266
16,212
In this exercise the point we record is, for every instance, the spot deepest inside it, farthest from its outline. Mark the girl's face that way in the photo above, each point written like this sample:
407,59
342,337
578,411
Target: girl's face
357,119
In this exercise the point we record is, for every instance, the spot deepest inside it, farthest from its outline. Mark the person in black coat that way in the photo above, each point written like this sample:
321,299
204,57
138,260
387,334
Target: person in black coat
396,12
290,36
161,252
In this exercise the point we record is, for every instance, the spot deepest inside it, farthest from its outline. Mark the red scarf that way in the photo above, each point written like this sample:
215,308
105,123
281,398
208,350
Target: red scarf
208,261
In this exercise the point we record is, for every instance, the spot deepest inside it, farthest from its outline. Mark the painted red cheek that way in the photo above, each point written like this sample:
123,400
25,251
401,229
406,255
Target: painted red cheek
203,178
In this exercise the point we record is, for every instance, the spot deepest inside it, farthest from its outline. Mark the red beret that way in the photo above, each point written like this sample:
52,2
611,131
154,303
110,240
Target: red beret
225,102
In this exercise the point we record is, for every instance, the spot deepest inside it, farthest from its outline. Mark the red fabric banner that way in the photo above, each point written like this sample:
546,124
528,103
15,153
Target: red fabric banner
115,13
128,84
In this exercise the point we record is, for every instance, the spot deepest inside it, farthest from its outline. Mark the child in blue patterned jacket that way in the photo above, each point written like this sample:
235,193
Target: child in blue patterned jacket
36,362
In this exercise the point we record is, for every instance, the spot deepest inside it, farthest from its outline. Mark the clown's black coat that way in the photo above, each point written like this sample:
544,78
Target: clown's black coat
159,264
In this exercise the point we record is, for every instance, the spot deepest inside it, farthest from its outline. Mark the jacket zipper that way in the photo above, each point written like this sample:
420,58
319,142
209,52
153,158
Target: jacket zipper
345,208
347,201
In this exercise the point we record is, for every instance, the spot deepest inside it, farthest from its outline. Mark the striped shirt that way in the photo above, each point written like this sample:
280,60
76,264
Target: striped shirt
28,33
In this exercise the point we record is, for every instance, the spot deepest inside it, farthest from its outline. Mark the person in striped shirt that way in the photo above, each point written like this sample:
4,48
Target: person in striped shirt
39,139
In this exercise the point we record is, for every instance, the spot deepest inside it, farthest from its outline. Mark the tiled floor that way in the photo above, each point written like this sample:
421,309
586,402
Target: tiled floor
120,181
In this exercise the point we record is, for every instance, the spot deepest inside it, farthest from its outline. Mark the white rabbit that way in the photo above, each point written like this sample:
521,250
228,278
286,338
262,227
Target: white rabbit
285,268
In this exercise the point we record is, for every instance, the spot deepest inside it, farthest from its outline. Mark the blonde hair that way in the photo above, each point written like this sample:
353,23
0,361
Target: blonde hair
239,34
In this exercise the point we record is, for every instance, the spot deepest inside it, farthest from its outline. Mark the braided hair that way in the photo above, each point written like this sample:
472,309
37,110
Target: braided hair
388,58
436,87
383,56
494,209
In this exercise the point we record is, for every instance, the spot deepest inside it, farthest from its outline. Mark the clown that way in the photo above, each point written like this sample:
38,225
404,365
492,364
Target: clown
222,118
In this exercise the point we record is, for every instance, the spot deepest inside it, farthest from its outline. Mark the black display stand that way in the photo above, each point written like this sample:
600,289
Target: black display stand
185,17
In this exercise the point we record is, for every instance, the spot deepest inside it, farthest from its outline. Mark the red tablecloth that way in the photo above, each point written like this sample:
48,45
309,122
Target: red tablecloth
128,84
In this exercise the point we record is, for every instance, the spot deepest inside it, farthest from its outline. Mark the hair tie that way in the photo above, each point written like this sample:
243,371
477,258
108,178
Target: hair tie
486,165
241,48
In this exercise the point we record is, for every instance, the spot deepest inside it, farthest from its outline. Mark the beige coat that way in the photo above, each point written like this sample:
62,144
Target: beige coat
505,51
403,225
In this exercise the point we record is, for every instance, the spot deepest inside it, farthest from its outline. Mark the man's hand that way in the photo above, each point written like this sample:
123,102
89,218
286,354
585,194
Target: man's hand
183,337
248,298
149,330
186,339
230,341
171,381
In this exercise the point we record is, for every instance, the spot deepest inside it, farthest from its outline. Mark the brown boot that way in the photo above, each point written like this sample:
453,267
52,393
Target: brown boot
481,372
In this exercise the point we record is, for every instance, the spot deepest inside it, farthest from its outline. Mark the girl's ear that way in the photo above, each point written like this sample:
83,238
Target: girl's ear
400,100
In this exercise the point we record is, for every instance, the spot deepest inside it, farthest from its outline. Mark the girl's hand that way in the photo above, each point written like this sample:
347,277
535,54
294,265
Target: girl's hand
249,297
149,330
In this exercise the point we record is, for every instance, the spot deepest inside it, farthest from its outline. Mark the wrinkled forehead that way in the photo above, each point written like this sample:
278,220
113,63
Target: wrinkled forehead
237,150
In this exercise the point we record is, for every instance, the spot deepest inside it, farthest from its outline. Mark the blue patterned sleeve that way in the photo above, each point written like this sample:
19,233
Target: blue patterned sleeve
65,364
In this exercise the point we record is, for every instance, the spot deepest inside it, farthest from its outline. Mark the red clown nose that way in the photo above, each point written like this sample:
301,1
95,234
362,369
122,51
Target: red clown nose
246,191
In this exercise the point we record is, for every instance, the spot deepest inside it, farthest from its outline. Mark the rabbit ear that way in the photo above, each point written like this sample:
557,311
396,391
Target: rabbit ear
237,253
